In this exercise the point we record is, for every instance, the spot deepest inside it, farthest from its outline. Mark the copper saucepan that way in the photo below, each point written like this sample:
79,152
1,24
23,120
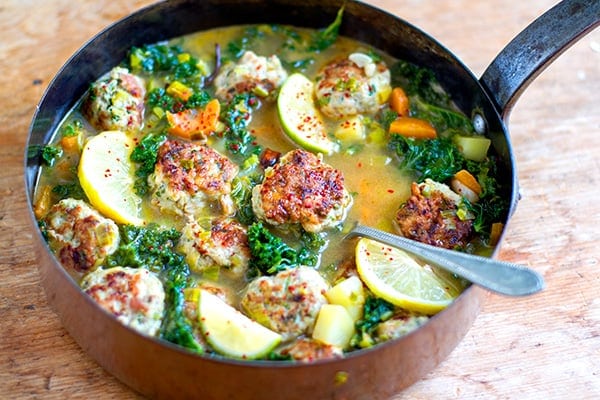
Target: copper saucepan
160,370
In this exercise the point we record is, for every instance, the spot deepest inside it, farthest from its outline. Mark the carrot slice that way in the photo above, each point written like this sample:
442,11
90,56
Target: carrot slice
194,123
413,127
42,203
495,233
467,179
399,102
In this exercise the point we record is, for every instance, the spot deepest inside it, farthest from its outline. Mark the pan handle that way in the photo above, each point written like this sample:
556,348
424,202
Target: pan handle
532,50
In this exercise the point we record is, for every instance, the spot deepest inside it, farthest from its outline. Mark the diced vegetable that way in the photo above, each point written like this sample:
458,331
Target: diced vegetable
466,185
43,202
194,123
350,130
334,326
349,294
413,127
473,148
399,102
495,233
179,90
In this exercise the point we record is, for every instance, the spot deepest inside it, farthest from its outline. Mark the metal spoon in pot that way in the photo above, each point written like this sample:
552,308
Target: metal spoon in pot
498,276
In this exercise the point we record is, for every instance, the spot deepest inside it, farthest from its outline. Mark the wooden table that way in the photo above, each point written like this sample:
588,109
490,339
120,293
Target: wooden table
546,345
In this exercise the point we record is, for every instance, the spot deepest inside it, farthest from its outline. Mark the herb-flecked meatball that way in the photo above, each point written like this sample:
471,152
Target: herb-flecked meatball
287,302
116,102
251,74
302,189
134,295
352,85
189,177
309,350
224,244
435,215
80,237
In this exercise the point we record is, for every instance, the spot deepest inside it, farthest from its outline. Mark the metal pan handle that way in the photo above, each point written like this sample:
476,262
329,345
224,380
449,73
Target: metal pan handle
532,50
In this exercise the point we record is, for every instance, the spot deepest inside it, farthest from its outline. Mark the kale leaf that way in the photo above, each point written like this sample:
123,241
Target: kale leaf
145,154
324,38
236,116
47,153
418,81
437,159
69,190
241,188
375,311
162,58
153,247
270,254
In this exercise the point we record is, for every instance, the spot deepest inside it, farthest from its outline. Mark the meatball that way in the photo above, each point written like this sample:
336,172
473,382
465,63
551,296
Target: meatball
309,350
398,326
352,85
80,237
224,243
287,302
435,215
116,102
134,295
301,189
188,177
256,74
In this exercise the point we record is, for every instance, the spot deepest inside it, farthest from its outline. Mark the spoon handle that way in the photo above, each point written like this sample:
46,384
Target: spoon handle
498,276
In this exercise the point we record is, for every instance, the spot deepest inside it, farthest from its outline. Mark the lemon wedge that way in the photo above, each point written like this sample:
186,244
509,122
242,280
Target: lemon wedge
230,332
107,176
395,276
299,117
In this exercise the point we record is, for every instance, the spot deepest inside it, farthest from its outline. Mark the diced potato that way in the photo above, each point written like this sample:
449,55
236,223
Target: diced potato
349,294
334,326
473,147
350,130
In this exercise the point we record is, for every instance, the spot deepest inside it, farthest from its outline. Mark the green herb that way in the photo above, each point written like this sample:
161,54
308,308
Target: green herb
153,247
72,129
270,254
418,81
375,311
443,119
386,117
145,154
158,97
162,58
69,190
324,38
236,116
237,48
47,153
437,159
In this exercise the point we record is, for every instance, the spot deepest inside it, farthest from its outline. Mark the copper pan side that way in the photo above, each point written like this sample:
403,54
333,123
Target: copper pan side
160,370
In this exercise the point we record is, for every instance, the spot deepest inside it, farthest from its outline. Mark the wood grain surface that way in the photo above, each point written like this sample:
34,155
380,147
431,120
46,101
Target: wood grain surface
544,346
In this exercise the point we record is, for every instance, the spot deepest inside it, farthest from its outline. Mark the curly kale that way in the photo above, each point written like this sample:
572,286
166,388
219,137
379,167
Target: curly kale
69,190
162,58
153,247
46,153
158,97
418,81
437,159
145,154
236,116
270,254
241,188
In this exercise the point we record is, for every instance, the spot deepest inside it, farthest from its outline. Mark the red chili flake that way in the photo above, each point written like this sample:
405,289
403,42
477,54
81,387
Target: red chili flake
390,190
359,165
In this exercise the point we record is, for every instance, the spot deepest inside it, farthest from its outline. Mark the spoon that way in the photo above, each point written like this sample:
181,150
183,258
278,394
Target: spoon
498,276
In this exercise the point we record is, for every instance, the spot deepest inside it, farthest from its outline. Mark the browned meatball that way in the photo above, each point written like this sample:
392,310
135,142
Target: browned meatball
309,350
116,102
80,237
189,176
301,189
430,216
224,243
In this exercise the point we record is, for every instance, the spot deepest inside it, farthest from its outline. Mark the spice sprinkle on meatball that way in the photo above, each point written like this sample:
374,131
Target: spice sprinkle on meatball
302,189
188,177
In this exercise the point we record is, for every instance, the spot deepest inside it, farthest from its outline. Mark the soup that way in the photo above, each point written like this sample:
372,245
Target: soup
202,189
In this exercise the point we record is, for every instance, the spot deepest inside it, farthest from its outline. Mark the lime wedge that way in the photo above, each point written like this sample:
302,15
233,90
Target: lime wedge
395,276
230,332
300,119
107,176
